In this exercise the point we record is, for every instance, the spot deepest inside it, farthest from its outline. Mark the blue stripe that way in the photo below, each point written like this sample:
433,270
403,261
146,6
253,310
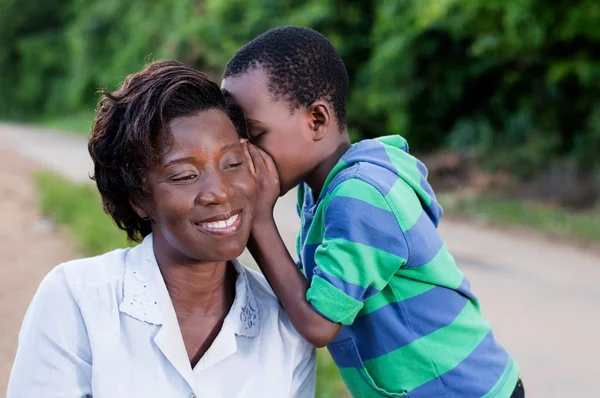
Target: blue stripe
308,260
357,292
405,147
386,329
465,289
434,210
372,156
474,377
360,222
378,176
345,354
424,240
308,204
422,169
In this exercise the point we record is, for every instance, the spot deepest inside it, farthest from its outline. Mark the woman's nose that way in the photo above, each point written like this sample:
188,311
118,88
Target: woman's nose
214,190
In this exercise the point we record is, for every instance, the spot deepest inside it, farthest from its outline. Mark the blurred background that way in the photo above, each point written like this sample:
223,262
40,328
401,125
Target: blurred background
501,99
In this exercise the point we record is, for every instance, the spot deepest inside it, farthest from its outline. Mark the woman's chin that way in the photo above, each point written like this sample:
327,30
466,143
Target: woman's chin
225,251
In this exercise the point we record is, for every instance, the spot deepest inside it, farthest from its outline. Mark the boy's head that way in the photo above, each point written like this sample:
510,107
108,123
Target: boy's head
292,84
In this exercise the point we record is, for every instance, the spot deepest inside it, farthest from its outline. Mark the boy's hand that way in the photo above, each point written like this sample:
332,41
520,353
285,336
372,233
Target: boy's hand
269,251
265,175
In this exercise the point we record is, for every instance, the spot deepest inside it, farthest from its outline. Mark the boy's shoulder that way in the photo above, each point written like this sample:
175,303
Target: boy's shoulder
384,167
380,163
367,182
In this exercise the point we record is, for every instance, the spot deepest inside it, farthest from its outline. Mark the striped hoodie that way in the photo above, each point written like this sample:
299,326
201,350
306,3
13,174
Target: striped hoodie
370,248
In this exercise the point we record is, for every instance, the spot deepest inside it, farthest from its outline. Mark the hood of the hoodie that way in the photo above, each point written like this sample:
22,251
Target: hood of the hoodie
391,153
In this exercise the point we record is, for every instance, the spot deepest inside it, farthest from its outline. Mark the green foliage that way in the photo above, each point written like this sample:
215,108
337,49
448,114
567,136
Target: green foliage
77,122
329,381
516,80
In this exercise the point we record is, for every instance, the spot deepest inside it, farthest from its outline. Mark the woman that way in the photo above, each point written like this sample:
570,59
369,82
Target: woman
176,316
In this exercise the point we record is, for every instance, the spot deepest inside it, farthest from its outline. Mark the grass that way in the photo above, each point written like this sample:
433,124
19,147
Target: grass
78,123
78,208
550,220
329,381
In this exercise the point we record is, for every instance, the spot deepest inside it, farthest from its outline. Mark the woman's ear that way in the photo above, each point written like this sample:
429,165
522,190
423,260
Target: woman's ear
139,210
320,119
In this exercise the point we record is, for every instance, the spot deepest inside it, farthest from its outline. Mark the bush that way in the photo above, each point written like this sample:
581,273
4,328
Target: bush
516,80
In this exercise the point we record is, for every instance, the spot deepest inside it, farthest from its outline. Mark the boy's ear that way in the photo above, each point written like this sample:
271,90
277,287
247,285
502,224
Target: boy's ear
320,119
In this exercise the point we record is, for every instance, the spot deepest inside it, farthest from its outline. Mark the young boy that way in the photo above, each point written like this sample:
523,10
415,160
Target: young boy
380,288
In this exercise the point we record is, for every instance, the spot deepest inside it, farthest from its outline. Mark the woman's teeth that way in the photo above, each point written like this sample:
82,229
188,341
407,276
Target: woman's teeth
221,224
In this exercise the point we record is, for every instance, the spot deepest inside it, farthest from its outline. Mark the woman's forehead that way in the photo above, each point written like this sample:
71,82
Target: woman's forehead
207,129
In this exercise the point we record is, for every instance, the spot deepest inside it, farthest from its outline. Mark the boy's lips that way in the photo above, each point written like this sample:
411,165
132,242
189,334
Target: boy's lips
224,224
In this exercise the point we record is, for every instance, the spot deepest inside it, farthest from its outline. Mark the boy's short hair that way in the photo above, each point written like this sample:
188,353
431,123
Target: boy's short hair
302,64
129,121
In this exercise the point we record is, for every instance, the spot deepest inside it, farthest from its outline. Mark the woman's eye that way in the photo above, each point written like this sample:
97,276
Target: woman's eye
187,177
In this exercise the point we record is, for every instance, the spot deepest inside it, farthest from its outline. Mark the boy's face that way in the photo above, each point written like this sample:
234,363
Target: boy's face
283,134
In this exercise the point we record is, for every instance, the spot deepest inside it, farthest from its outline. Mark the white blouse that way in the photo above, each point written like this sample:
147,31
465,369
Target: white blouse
105,327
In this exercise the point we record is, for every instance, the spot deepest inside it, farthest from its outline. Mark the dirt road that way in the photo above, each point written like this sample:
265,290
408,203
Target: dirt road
29,248
540,295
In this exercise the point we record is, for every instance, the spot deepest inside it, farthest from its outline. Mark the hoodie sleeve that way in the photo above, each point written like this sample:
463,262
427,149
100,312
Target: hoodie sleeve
299,206
363,246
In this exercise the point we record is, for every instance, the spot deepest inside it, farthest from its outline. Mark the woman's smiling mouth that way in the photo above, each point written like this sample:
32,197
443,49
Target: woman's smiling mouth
225,224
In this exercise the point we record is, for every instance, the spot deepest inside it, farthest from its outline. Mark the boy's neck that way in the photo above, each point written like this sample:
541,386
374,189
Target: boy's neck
319,174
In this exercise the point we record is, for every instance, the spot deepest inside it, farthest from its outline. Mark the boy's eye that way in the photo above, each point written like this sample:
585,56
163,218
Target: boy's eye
257,135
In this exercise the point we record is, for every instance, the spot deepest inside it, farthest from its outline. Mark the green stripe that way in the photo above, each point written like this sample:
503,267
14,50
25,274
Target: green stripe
361,190
317,228
333,173
393,140
411,282
355,381
300,196
398,289
332,302
405,204
441,271
357,263
449,346
406,165
299,243
352,188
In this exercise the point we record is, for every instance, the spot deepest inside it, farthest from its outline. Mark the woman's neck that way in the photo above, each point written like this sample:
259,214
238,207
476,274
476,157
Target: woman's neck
201,288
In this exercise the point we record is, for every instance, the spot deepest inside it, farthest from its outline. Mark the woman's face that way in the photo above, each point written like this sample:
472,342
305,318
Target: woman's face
201,191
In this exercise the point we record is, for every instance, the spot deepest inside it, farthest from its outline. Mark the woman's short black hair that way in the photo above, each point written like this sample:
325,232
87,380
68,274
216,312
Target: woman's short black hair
128,124
302,65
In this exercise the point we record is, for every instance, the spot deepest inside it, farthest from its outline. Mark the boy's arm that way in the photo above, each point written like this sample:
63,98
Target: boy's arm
271,254
289,284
